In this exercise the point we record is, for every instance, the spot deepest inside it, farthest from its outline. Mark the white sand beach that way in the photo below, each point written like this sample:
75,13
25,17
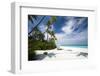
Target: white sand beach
63,53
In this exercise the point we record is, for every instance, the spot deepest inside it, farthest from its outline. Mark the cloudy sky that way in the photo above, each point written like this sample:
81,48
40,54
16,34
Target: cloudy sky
69,30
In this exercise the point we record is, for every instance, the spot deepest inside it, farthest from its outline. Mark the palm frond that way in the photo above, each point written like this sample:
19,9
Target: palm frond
31,17
53,18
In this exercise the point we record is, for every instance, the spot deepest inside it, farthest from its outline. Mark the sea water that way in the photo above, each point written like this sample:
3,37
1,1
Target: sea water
77,46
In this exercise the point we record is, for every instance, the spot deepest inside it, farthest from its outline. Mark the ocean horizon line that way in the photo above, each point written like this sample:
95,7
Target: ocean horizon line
78,46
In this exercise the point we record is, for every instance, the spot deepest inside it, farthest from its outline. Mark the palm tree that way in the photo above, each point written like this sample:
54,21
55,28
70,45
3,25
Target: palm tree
49,26
37,35
31,17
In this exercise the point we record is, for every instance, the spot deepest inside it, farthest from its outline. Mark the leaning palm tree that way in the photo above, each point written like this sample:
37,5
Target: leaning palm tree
31,17
49,26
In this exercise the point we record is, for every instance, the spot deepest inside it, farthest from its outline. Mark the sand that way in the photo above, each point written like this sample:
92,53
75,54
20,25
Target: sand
63,54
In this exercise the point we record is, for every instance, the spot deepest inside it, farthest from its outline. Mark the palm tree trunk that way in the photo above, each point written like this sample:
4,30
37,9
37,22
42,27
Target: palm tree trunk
47,36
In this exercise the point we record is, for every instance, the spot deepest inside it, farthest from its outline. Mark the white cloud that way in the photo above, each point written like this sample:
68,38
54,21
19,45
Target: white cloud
68,26
60,36
79,38
80,21
71,24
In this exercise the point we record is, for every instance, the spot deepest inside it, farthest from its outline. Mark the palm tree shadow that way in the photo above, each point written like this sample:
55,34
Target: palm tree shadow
42,56
51,55
83,54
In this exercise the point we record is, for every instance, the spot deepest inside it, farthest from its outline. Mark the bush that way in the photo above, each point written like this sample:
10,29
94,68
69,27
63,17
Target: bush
31,55
34,45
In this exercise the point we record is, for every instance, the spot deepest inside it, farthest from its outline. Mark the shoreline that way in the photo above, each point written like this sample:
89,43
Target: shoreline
64,53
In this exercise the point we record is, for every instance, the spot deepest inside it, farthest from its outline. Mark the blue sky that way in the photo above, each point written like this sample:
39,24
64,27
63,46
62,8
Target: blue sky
69,30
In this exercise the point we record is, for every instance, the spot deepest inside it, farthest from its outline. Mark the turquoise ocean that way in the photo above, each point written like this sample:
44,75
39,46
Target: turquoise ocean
75,46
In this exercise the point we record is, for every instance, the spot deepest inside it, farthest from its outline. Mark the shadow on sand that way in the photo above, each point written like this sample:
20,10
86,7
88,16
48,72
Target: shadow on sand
45,54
